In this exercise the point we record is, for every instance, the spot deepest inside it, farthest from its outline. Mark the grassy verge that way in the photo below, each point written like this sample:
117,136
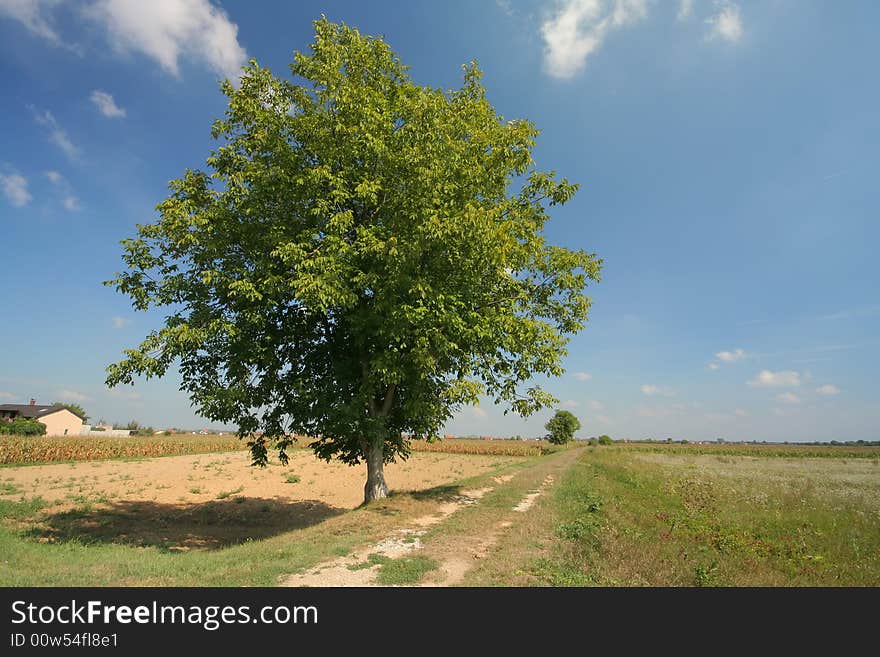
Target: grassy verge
619,519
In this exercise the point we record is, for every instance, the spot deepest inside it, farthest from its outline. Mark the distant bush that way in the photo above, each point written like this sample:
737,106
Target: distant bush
604,440
23,427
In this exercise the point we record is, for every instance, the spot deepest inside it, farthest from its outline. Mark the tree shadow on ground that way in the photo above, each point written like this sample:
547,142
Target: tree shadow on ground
182,527
441,493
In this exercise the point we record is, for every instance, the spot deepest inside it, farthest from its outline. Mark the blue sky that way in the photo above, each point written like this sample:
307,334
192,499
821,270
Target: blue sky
726,151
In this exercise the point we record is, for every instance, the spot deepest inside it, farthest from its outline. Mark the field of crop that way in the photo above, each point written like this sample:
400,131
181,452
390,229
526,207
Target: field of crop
670,515
29,450
768,450
21,450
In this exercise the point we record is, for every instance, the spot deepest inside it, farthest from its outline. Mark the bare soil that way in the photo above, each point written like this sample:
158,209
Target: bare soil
206,501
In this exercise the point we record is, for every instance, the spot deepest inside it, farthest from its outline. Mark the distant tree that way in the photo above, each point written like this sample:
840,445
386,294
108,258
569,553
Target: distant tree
76,409
604,440
561,427
363,257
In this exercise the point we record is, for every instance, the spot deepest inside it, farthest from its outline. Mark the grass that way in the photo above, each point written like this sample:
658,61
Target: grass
374,559
8,489
291,478
405,570
222,495
618,518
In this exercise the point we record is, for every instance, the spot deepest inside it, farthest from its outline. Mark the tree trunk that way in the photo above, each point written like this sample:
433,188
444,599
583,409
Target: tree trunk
375,488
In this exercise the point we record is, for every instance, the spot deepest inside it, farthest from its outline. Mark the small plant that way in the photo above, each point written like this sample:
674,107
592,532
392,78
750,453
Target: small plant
705,575
222,495
374,559
407,570
195,490
291,478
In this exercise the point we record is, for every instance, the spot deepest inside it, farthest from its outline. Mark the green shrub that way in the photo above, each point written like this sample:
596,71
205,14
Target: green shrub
23,427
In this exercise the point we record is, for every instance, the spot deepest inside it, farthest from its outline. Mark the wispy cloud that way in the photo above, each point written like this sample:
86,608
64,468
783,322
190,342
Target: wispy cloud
730,356
172,29
685,9
570,403
120,322
604,419
476,411
828,389
741,412
72,396
768,379
726,23
853,313
34,15
713,366
69,200
7,396
652,390
15,188
788,398
120,393
595,405
582,376
577,29
106,104
57,135
831,176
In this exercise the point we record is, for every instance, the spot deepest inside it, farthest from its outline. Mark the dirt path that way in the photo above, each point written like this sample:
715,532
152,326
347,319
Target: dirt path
461,532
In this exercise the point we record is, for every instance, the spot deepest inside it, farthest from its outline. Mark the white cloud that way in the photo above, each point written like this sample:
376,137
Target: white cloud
582,376
69,201
828,389
578,28
741,412
788,398
57,135
767,379
166,30
72,396
712,366
31,14
106,104
685,9
476,411
650,390
727,23
7,395
595,405
730,356
120,322
570,403
15,188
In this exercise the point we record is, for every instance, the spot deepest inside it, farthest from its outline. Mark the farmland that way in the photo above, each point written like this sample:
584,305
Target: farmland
29,450
622,515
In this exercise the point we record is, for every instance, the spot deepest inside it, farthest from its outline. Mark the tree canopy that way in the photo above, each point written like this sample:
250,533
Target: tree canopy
76,409
561,427
361,257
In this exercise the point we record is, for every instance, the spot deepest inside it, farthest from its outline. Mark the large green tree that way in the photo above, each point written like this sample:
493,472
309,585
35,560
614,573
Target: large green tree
362,257
561,427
